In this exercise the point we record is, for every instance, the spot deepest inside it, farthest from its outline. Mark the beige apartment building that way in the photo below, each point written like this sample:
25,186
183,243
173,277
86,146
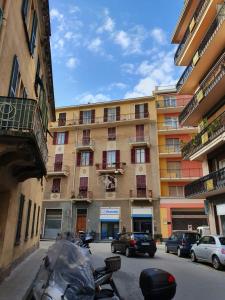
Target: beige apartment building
26,104
200,33
103,170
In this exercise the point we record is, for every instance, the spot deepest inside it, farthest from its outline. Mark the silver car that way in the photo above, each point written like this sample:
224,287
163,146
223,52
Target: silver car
210,248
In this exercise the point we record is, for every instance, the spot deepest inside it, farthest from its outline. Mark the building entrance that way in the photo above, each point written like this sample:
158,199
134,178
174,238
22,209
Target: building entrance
81,223
142,225
109,230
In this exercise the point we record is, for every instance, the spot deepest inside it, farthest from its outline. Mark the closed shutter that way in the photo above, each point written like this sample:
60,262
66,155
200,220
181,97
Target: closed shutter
54,138
37,225
105,114
146,110
137,111
78,158
34,215
83,187
56,185
104,159
93,116
117,158
139,133
58,162
81,117
147,155
141,181
91,158
117,113
66,137
25,9
112,134
86,136
28,220
133,155
20,219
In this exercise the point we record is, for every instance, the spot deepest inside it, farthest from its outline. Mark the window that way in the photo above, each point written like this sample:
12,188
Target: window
140,133
141,111
174,168
15,76
38,80
28,220
83,190
212,240
56,185
60,138
58,162
111,158
85,158
170,101
112,134
140,155
86,137
171,122
221,164
204,240
33,33
112,114
176,191
173,144
19,219
62,119
87,117
34,215
141,185
37,220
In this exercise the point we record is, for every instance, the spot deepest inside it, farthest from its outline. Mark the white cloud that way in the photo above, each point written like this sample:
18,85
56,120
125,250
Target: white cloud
91,98
68,35
158,35
71,63
74,9
55,14
95,45
122,39
128,68
118,85
108,25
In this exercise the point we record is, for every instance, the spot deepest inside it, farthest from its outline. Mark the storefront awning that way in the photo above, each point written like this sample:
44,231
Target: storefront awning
141,216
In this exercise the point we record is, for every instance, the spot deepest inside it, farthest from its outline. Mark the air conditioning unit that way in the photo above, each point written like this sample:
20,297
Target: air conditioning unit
55,196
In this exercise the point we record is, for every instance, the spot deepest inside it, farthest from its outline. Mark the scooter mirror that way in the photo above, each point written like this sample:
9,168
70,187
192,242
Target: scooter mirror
157,284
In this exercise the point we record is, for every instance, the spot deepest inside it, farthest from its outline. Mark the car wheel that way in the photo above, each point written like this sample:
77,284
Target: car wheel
151,254
179,253
166,249
113,250
193,257
128,252
216,263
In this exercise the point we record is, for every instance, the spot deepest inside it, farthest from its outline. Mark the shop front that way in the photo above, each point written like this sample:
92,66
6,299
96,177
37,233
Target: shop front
109,222
220,208
142,219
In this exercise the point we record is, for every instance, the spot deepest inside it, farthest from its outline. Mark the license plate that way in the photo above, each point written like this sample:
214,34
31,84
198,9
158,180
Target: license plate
145,244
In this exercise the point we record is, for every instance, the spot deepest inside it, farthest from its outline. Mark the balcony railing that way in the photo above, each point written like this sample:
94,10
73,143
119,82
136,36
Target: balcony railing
212,30
206,136
117,168
209,82
141,193
172,103
102,120
173,125
84,194
181,173
57,168
190,30
139,140
209,183
85,142
21,118
169,149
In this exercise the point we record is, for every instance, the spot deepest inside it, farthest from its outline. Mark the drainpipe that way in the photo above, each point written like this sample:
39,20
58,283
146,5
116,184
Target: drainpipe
6,6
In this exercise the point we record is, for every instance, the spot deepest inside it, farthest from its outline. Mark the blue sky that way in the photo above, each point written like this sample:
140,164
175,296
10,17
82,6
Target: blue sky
112,49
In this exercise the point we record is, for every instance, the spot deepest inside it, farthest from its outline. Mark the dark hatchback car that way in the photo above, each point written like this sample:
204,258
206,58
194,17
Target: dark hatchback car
181,241
130,243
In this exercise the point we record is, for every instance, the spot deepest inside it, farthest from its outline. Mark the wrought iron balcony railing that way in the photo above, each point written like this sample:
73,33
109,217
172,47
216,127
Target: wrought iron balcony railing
139,139
141,193
172,103
21,118
116,168
169,149
216,73
209,183
85,142
209,35
172,125
190,29
181,173
207,135
57,168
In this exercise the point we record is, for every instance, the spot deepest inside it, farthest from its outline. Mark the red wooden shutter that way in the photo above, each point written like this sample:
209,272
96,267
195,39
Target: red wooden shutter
141,181
147,155
139,133
93,116
104,159
117,158
146,110
117,113
105,114
137,111
56,185
78,158
133,155
66,137
86,136
54,138
81,117
58,162
91,158
112,133
83,183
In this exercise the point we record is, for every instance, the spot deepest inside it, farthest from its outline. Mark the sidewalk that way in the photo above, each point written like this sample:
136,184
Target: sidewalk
18,285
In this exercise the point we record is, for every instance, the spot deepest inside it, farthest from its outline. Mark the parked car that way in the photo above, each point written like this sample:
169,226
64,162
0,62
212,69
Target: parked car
130,243
211,249
181,241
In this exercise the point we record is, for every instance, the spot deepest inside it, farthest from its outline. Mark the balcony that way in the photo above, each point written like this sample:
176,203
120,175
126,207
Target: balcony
112,168
141,194
174,127
23,140
83,196
211,46
140,118
194,31
139,141
207,140
209,185
169,150
85,144
211,89
181,175
58,169
171,105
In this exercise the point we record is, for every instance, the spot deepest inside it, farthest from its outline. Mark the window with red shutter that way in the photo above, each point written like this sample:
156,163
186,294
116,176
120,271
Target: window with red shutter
81,117
56,185
104,159
54,138
133,155
83,189
66,137
117,158
147,155
86,137
105,114
78,159
117,113
91,158
112,134
140,133
141,185
58,162
146,110
62,119
137,111
93,116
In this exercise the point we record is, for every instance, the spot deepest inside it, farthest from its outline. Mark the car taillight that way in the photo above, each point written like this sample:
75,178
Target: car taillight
133,242
223,251
170,279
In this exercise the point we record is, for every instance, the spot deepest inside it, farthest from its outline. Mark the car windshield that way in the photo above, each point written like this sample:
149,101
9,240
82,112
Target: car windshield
192,237
222,241
141,236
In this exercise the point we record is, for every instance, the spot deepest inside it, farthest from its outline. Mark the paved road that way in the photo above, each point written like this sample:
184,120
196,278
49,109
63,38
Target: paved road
195,281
